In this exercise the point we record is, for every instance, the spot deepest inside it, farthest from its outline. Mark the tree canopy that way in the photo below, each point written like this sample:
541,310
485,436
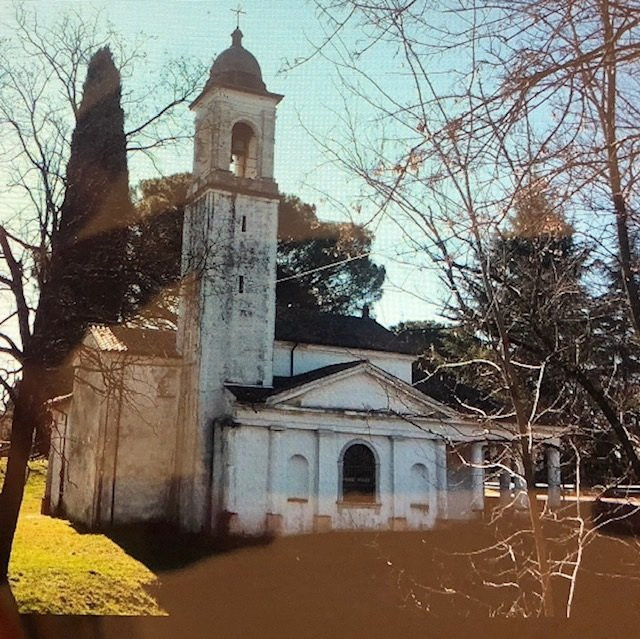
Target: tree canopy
324,265
82,281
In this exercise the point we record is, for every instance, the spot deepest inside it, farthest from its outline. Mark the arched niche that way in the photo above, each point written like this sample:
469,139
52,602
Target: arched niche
298,478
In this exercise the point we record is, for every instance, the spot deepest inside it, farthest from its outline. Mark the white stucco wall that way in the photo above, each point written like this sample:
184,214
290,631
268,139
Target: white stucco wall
83,445
116,441
144,443
309,357
265,481
56,471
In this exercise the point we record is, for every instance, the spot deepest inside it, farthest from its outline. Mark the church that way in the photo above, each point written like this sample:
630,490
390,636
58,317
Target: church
252,419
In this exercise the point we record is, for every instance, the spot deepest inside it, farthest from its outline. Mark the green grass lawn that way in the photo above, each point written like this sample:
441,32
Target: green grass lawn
55,569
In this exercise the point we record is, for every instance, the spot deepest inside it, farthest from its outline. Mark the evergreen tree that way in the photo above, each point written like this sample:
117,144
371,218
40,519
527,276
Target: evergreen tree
85,282
324,265
153,268
565,339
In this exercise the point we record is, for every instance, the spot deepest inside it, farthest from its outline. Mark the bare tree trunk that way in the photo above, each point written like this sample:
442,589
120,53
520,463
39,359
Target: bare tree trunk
608,115
513,385
10,624
28,412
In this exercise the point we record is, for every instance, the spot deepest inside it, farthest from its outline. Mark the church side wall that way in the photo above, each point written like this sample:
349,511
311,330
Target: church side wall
83,444
54,490
143,440
120,442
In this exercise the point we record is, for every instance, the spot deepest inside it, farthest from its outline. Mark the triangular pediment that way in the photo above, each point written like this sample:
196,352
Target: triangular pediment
363,388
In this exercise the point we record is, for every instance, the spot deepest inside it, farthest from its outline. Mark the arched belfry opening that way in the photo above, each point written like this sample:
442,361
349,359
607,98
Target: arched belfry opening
244,151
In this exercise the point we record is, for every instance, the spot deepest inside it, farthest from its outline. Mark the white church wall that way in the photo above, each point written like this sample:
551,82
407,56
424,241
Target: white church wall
118,442
406,481
247,475
415,482
145,435
298,479
309,357
57,455
83,445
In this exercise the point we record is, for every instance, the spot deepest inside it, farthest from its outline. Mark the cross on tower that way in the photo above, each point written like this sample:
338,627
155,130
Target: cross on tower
238,11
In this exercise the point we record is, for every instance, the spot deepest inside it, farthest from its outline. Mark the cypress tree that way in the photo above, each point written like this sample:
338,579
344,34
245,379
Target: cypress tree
86,283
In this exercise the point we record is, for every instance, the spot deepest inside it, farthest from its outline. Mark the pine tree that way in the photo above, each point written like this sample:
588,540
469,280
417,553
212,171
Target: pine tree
324,265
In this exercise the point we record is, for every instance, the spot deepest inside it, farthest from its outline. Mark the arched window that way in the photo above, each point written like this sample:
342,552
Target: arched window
244,151
359,474
298,478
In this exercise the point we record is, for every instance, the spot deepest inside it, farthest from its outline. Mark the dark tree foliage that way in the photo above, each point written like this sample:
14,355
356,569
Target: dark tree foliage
84,283
155,245
562,335
307,250
438,346
536,268
321,265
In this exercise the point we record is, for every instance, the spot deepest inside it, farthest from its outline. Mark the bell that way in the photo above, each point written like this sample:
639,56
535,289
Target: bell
239,146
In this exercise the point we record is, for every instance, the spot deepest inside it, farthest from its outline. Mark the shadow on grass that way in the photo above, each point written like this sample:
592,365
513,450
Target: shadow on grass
164,547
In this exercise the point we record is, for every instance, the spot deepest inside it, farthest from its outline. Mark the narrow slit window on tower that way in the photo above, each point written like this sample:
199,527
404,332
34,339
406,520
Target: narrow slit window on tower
241,284
244,222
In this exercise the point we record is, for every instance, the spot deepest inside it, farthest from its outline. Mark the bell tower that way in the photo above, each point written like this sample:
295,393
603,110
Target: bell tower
227,318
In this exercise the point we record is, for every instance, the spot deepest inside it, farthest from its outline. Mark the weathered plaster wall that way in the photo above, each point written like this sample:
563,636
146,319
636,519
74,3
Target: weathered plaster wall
56,471
309,357
118,443
407,477
84,442
143,443
227,330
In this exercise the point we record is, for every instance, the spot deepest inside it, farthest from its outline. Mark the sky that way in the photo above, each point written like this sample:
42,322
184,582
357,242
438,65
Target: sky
277,32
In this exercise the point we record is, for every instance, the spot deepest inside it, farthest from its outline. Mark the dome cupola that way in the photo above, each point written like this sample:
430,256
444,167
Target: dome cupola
236,67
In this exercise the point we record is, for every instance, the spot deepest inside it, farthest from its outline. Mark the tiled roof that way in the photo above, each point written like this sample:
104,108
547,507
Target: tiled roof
292,325
330,329
135,341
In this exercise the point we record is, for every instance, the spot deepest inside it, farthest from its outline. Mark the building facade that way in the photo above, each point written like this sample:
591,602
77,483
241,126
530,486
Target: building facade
252,419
